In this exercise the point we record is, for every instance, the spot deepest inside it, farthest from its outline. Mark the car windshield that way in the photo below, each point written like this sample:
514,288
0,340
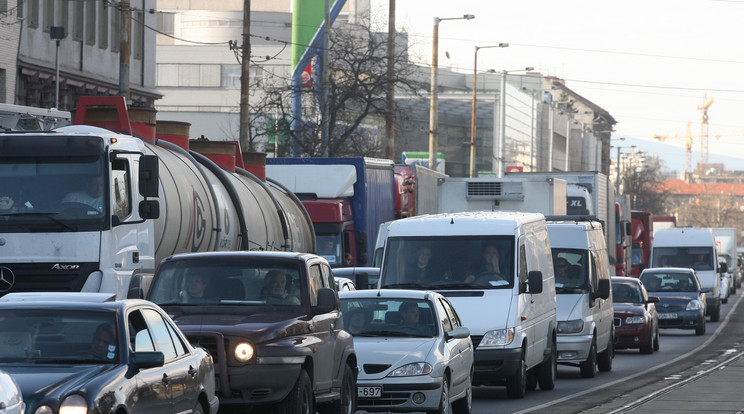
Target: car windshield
53,335
449,263
389,317
669,282
626,293
254,282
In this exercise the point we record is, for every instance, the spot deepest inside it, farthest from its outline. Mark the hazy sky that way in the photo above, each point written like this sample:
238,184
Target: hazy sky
648,63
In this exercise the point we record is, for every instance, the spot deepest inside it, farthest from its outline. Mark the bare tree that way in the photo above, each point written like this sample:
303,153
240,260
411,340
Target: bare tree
644,184
356,96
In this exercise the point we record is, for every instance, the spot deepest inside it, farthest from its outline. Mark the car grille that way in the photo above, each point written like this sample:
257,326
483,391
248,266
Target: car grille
617,321
671,308
387,398
375,368
210,343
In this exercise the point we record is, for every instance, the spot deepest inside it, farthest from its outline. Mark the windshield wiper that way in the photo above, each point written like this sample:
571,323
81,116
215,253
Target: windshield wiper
406,286
46,214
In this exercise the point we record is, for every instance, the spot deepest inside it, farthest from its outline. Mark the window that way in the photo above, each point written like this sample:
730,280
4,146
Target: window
121,189
103,26
181,348
315,284
523,271
452,314
160,334
90,22
48,14
116,30
138,35
33,13
444,317
78,20
167,75
140,338
64,16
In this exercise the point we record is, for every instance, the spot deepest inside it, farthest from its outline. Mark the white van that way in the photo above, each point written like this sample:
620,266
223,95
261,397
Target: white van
584,298
694,248
496,269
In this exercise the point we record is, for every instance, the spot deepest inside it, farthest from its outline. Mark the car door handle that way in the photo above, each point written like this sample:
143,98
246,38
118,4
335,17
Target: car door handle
166,380
192,371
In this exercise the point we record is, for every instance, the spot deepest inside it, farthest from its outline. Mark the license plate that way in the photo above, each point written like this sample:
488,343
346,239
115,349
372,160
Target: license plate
369,392
667,316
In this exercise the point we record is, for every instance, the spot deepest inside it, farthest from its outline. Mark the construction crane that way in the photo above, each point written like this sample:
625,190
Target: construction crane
688,137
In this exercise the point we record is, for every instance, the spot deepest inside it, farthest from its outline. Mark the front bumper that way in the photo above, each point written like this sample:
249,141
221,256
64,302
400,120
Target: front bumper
493,366
632,336
684,320
397,394
573,348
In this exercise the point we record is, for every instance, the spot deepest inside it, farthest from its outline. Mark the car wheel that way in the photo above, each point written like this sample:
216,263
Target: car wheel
604,362
516,385
444,404
347,403
656,342
700,330
715,316
548,370
198,408
649,346
465,404
300,399
589,367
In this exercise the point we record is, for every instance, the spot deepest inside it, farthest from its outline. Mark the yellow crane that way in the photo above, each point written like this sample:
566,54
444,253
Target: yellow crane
688,137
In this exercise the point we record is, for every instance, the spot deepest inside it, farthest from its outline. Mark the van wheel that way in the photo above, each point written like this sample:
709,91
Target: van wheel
605,358
715,316
589,367
300,399
516,385
548,370
532,379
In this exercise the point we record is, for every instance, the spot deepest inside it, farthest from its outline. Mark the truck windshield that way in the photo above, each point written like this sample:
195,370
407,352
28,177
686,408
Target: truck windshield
228,282
438,263
52,192
698,258
329,247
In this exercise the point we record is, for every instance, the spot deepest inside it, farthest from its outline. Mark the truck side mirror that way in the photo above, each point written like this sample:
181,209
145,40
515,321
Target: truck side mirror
149,209
149,172
327,300
628,228
534,283
604,289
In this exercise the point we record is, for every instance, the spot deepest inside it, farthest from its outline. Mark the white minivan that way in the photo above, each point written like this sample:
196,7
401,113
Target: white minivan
694,248
584,298
496,269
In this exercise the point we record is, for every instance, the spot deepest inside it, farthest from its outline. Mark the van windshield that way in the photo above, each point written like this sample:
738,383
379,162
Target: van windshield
698,258
460,262
571,270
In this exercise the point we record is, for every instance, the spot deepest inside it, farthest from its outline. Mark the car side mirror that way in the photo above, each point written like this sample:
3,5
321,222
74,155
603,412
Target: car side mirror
722,267
142,360
604,289
459,332
327,301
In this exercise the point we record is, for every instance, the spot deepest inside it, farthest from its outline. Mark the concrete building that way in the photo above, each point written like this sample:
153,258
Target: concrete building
10,36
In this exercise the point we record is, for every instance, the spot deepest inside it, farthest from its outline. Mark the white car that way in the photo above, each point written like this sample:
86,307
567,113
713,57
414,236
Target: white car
413,352
344,284
725,287
11,401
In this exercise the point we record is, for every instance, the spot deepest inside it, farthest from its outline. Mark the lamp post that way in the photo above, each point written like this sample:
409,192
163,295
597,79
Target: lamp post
57,33
618,147
433,116
472,115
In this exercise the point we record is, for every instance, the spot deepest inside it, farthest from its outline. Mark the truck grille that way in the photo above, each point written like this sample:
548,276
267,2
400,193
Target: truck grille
49,277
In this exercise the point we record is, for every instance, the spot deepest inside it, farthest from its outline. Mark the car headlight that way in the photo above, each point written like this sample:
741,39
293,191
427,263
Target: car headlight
694,305
574,326
244,352
498,337
74,404
632,320
410,370
44,409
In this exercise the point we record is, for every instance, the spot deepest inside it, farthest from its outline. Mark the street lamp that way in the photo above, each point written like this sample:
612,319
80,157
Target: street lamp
472,115
433,116
502,121
57,33
618,147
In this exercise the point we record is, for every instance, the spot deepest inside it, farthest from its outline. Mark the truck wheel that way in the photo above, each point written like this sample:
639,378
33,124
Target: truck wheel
444,404
589,367
465,404
347,403
300,400
715,316
548,370
605,358
516,385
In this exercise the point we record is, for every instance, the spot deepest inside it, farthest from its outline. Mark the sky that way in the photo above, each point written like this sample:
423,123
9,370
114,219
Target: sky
650,64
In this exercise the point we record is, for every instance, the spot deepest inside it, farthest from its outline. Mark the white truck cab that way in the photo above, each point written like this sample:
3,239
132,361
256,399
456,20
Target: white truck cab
583,294
496,269
694,248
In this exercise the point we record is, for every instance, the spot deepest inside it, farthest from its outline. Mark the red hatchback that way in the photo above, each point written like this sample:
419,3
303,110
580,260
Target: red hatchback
636,320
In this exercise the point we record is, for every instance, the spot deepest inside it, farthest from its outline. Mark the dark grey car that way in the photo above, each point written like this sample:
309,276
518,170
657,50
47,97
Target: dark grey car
681,298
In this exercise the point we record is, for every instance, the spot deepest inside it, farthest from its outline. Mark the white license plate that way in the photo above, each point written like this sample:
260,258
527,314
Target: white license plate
668,316
369,392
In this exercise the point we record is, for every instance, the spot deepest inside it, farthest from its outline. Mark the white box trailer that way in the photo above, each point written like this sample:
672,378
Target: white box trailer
530,195
726,249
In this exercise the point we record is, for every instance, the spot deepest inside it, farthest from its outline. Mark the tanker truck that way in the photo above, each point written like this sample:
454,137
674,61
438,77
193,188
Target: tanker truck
162,194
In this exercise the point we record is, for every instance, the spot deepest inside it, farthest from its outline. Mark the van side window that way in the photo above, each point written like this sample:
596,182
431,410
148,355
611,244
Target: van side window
522,264
595,271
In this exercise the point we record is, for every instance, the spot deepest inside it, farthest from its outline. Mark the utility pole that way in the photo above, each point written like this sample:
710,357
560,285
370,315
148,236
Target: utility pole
324,127
390,97
245,110
125,50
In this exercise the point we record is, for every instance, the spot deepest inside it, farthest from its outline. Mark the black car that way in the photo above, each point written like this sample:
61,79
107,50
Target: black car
89,353
681,299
